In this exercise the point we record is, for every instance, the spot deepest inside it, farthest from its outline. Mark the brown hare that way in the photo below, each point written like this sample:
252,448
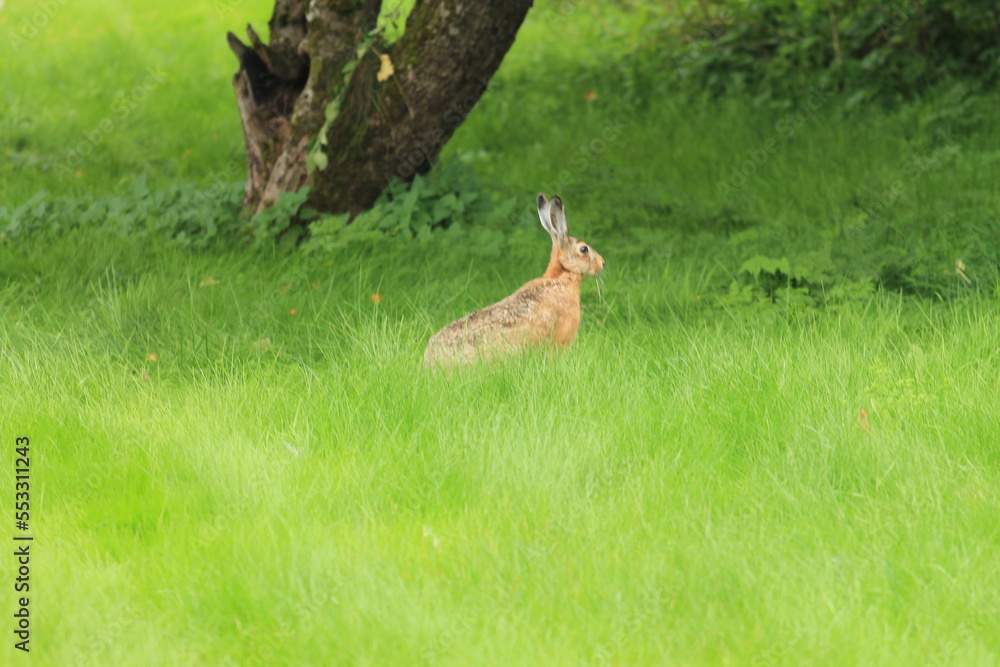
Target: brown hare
545,311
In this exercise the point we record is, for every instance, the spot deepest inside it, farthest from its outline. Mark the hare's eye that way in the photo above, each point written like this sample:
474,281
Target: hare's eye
584,250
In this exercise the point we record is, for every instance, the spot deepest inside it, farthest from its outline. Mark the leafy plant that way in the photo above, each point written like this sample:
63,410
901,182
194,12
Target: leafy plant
277,219
867,49
185,215
448,196
846,263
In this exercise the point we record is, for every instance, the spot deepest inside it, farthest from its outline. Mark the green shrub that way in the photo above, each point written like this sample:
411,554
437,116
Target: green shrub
870,49
189,216
449,196
185,215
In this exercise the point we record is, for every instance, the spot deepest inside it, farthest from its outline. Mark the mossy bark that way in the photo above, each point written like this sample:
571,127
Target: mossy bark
381,128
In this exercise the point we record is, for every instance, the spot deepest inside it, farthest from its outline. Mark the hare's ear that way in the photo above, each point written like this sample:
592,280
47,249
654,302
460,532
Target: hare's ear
558,214
543,215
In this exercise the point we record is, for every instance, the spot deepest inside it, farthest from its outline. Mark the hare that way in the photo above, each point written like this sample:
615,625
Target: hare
545,311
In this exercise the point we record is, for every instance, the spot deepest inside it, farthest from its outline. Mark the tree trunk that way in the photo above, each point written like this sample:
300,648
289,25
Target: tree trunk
328,104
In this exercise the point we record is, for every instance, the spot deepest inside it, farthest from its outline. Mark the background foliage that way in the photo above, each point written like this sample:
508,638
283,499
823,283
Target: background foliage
875,49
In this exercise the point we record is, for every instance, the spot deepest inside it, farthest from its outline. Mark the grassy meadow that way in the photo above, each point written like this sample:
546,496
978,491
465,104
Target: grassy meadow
238,459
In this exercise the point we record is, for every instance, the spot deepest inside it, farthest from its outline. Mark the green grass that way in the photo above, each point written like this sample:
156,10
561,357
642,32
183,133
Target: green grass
688,490
91,62
238,458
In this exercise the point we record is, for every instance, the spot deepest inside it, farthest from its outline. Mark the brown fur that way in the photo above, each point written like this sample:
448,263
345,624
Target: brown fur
544,311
